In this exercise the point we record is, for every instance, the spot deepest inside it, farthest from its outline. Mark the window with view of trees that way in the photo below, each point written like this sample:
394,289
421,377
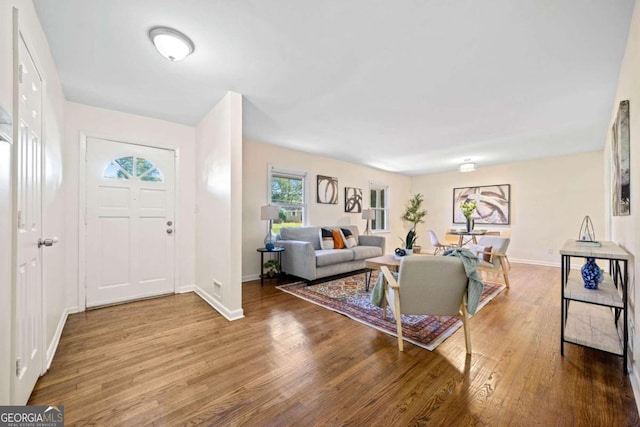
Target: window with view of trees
288,193
379,205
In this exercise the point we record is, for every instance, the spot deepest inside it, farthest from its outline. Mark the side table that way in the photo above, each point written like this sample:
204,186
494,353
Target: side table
278,251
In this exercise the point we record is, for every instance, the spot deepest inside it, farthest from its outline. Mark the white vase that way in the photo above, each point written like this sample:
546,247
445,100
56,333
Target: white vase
409,251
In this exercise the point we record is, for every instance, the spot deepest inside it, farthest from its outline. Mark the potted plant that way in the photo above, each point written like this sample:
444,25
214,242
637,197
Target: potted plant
271,268
413,214
468,208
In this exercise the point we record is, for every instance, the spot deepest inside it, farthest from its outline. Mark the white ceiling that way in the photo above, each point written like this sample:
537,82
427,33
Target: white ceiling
412,86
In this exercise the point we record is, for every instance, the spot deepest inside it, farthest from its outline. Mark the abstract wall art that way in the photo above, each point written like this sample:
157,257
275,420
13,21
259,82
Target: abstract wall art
352,200
327,191
493,204
621,163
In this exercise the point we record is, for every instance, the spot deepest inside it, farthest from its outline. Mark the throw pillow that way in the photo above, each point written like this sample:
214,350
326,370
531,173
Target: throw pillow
338,243
482,252
349,238
326,239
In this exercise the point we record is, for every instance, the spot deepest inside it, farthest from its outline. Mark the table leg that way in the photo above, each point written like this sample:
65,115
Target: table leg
460,241
261,269
367,278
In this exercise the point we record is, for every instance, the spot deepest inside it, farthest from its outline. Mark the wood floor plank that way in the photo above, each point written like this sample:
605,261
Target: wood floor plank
174,361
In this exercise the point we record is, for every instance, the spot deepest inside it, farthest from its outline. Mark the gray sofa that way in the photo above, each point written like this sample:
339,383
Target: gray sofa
304,258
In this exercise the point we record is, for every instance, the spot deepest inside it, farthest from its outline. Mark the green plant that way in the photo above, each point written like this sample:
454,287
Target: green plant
468,207
272,267
413,214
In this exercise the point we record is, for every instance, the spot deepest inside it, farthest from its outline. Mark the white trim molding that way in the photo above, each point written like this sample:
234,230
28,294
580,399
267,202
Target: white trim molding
213,302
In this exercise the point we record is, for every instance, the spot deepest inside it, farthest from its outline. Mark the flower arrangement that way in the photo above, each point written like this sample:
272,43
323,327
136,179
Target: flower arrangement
413,214
468,207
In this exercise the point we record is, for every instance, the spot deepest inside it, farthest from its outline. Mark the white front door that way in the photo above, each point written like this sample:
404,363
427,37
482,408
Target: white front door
130,222
28,296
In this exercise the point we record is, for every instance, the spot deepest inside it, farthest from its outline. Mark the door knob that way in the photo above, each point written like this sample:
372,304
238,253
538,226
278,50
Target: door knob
47,242
169,223
169,231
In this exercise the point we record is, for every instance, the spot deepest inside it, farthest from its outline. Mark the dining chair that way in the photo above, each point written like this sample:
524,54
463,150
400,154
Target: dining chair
427,285
437,245
492,251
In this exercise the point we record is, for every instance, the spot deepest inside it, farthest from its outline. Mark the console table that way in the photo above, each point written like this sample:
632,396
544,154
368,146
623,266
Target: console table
594,320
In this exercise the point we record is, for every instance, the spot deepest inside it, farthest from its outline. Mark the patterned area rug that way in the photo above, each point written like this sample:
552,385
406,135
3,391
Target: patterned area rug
347,296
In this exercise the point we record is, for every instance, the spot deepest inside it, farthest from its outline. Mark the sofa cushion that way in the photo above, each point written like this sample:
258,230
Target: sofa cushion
333,256
326,239
349,239
305,234
338,243
364,252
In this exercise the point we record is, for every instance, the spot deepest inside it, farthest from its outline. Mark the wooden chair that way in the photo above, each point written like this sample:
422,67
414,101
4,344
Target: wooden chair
437,246
498,262
428,285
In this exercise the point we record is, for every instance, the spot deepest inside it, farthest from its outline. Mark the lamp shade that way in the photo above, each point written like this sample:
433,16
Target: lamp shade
269,212
368,214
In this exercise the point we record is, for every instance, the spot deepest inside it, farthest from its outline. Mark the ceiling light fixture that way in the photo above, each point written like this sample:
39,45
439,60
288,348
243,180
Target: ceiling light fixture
467,167
171,44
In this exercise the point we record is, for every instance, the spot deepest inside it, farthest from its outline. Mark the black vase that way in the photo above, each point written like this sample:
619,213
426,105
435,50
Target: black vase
470,224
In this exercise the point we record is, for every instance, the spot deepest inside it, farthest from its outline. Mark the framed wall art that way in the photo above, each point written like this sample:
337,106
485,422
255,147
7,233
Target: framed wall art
352,200
493,204
621,163
327,190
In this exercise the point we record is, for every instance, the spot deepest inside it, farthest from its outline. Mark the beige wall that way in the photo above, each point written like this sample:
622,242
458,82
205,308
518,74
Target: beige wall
256,159
625,230
218,246
54,303
549,199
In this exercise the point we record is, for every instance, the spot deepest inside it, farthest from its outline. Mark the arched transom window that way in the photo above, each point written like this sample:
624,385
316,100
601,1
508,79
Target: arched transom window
133,168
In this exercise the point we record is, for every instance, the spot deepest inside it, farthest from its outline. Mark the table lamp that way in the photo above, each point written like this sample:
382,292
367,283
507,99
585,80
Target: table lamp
269,213
368,214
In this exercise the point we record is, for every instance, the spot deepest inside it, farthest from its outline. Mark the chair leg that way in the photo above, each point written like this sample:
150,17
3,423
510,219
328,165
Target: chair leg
398,317
465,325
505,273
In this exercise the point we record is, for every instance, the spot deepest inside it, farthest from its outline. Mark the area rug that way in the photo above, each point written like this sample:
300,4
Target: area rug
347,296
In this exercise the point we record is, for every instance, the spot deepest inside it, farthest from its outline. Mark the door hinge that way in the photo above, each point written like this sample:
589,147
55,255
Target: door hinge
17,367
21,73
19,218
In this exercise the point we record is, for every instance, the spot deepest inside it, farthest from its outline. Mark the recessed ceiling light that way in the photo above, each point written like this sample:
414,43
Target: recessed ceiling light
171,44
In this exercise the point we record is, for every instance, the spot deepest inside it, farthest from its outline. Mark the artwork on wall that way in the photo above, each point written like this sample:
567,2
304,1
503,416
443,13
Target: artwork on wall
621,166
493,204
327,190
352,200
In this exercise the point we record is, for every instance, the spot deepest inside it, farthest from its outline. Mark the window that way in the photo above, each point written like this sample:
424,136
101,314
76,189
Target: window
288,192
129,167
379,204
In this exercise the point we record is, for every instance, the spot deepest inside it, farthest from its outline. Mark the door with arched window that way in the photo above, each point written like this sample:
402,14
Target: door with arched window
130,224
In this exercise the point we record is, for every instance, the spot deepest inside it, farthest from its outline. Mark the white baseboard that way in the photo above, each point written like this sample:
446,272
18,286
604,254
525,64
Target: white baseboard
534,262
53,345
635,385
185,289
228,314
250,278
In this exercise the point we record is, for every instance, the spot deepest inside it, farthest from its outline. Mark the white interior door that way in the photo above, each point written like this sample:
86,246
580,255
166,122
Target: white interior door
28,321
130,222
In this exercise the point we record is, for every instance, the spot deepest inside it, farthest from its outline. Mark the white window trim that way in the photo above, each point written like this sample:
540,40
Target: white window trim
377,186
293,174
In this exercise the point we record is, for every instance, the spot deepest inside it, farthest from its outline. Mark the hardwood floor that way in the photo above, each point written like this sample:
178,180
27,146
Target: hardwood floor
175,361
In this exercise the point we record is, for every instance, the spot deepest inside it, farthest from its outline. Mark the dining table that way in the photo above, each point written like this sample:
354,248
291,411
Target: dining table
465,237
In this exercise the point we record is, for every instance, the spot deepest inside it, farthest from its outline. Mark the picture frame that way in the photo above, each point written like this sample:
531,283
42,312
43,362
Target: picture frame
327,190
621,162
353,200
493,204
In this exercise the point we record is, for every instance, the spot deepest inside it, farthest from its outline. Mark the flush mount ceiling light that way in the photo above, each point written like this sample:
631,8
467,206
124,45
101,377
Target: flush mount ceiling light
467,166
171,44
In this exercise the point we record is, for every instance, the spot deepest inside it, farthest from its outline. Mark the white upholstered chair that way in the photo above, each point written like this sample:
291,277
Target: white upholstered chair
437,246
427,285
494,261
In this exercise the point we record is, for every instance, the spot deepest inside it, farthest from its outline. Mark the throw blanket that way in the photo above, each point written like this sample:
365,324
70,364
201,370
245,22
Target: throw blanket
474,287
